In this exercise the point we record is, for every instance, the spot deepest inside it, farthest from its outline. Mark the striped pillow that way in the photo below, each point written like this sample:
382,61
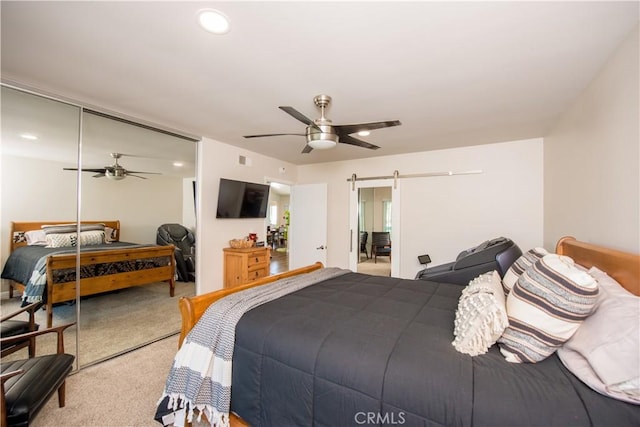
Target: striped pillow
517,268
545,307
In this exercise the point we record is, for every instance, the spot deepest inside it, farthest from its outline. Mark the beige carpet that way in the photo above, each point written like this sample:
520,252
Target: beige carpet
112,323
380,268
121,392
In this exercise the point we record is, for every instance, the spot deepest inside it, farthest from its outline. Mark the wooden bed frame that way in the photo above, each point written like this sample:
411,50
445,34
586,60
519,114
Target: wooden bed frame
94,285
622,266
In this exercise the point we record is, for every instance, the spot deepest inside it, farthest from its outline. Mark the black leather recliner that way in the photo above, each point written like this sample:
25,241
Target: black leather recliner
495,254
185,242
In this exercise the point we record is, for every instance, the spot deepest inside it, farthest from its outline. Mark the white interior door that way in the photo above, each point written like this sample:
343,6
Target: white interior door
308,225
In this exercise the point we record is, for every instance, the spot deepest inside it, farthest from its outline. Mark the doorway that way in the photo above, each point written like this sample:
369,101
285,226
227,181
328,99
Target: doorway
375,222
277,226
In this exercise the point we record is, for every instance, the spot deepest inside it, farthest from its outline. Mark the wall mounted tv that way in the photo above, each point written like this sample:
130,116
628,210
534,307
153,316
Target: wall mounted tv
240,199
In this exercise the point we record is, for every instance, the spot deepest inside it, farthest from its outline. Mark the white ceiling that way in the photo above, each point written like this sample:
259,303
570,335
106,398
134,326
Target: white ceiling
454,73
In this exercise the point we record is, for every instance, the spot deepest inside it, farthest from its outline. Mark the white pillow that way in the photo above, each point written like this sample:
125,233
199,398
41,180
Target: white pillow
36,237
525,261
605,350
481,316
545,308
87,238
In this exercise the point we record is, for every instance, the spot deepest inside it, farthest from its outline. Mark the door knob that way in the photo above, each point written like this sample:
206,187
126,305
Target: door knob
321,247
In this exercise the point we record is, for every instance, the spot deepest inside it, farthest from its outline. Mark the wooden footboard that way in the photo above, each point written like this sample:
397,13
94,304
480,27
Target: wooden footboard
66,291
192,308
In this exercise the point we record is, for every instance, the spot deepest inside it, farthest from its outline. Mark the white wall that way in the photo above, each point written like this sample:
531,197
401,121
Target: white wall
592,159
444,215
34,190
217,160
141,205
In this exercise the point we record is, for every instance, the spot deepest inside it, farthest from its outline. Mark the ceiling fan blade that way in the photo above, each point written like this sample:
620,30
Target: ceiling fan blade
307,149
86,170
137,176
100,175
346,139
359,127
299,116
151,173
273,134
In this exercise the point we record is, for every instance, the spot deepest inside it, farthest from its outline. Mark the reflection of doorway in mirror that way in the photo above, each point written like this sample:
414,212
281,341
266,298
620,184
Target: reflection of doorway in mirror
277,226
374,215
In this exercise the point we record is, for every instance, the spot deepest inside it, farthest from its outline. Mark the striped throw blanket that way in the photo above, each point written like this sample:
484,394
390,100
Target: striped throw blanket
37,283
200,378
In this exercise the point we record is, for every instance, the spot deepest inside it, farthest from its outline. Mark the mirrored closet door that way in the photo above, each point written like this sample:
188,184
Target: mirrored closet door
140,178
40,136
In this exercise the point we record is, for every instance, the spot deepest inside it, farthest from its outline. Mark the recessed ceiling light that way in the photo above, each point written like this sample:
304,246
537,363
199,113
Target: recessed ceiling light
178,164
213,21
364,133
29,136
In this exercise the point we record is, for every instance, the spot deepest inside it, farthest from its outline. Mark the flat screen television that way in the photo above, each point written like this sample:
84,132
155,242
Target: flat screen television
240,199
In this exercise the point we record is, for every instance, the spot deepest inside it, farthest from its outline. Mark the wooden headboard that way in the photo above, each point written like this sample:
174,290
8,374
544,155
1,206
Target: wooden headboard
18,229
624,267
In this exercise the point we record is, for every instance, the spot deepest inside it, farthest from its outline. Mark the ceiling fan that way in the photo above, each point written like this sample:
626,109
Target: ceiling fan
321,134
115,171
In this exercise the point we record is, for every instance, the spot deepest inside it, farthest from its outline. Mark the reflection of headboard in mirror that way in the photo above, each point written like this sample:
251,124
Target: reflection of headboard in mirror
18,229
624,267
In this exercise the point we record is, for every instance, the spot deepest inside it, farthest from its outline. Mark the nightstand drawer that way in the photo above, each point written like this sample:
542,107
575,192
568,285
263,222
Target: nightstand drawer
258,274
257,258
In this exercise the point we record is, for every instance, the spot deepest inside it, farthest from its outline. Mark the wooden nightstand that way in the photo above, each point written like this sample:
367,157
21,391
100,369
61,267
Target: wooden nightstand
245,265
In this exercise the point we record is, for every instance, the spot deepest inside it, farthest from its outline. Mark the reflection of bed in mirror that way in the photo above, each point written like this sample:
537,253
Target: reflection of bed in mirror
36,269
341,350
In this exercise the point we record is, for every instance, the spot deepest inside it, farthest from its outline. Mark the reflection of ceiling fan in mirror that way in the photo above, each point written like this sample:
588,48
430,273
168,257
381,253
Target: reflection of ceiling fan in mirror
321,134
115,171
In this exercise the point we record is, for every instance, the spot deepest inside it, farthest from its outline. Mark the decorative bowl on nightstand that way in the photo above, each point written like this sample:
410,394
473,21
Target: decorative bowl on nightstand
241,243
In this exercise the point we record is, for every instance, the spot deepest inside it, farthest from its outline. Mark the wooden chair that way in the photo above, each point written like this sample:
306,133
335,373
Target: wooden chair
10,327
380,244
27,384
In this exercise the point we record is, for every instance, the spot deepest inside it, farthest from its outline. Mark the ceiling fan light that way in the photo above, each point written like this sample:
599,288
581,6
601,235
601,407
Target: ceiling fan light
322,144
